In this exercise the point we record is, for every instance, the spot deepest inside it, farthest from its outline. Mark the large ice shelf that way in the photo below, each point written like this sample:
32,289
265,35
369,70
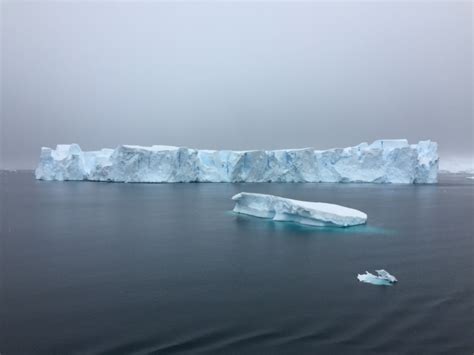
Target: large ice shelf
384,161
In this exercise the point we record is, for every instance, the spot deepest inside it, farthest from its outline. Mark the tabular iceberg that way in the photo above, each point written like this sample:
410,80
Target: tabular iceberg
384,161
383,278
303,212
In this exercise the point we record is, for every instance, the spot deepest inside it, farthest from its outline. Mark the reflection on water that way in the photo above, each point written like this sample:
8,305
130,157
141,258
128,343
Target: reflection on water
252,222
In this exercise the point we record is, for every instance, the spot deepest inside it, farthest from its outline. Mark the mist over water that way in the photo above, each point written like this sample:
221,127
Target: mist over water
234,75
107,268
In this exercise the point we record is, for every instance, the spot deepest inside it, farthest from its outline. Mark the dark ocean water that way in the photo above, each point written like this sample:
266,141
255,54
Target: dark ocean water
104,268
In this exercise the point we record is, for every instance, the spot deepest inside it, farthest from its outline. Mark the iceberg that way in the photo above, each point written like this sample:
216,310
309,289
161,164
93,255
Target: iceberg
457,165
303,212
383,278
384,161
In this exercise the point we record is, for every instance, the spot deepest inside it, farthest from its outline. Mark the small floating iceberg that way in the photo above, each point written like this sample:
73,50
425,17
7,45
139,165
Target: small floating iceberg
383,278
304,212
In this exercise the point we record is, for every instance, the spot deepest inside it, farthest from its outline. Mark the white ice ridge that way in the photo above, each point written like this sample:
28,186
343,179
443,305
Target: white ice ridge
382,279
457,165
304,212
384,161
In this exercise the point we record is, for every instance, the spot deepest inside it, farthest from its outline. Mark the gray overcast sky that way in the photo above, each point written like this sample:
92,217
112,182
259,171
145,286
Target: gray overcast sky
234,75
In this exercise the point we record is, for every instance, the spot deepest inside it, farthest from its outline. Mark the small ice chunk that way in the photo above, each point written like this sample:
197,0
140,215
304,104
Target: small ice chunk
382,279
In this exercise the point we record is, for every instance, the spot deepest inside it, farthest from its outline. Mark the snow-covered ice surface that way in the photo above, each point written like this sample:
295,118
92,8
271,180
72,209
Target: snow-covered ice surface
383,278
384,161
304,212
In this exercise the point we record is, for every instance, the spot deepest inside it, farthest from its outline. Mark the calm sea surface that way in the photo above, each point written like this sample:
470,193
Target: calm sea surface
106,268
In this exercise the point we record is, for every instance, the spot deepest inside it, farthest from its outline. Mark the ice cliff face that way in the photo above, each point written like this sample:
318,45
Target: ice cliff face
384,161
303,212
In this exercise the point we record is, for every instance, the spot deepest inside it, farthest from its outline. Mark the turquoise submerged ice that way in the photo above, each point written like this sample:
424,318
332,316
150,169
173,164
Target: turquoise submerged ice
384,161
304,212
383,278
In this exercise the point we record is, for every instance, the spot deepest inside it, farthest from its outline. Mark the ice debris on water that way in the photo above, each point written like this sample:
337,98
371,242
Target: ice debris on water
382,279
